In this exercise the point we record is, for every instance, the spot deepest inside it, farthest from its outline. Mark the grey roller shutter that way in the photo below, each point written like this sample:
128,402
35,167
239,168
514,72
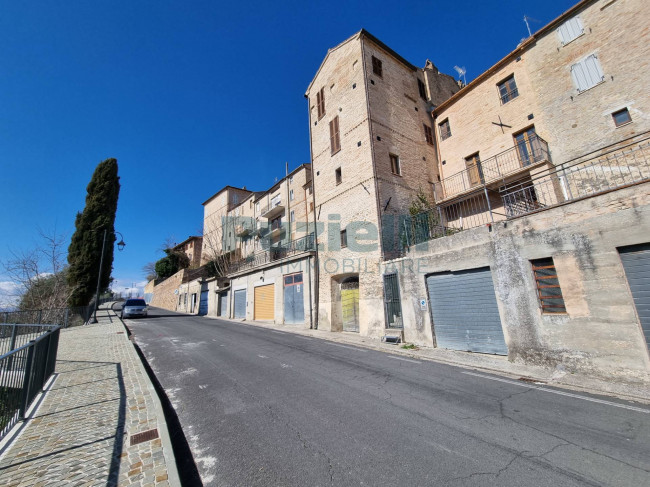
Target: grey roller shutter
464,311
240,304
636,262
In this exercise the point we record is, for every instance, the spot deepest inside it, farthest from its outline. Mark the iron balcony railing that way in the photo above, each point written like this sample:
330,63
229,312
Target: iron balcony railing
273,208
294,247
574,180
23,373
510,95
623,164
523,155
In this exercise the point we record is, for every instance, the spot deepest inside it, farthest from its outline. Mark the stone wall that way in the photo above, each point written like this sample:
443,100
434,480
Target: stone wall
600,334
163,293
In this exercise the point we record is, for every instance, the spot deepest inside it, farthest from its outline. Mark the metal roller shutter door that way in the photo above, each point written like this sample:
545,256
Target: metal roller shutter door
203,303
636,262
465,313
240,304
264,302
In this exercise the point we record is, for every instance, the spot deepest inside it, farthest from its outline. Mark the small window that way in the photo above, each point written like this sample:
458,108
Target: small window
508,89
335,139
394,164
587,73
311,206
445,129
292,216
422,89
548,286
570,30
320,103
377,67
257,207
621,117
291,194
344,239
428,134
338,176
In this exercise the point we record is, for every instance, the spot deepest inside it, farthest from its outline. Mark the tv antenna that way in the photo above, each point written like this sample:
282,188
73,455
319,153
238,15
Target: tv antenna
461,72
526,19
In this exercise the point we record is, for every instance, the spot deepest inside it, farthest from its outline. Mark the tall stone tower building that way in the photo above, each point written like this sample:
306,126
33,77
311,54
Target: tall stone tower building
373,151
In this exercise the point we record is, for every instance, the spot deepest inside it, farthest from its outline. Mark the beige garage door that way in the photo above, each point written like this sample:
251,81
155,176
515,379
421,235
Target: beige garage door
264,300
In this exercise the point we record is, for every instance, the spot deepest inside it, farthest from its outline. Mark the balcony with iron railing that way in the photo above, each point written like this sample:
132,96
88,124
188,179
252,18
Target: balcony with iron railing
523,156
273,209
274,254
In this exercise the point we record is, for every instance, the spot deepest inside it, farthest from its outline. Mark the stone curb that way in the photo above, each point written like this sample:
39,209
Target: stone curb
168,451
630,392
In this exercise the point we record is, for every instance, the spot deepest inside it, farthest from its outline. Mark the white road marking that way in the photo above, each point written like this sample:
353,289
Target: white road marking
351,348
286,366
203,386
405,359
262,356
562,393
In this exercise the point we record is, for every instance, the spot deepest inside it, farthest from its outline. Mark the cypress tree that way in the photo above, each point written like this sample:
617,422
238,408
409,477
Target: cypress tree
84,253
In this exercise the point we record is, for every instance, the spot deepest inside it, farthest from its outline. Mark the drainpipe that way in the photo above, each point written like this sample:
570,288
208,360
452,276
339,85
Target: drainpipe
313,196
311,316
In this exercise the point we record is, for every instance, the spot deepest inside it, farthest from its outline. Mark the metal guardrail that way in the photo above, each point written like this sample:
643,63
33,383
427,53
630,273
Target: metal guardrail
294,247
66,317
23,373
13,336
506,163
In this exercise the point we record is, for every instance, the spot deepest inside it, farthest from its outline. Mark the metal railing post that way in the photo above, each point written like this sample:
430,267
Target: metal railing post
66,316
12,345
27,381
487,199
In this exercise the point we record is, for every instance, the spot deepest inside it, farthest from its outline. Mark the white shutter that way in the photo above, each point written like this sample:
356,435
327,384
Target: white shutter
587,73
595,71
570,29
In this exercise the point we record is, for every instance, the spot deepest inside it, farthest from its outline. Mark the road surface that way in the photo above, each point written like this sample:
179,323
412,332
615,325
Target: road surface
265,407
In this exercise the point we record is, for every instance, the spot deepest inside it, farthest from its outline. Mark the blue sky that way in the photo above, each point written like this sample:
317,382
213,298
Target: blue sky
190,96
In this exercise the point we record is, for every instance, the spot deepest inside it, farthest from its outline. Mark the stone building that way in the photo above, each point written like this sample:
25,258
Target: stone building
269,277
529,236
191,247
372,152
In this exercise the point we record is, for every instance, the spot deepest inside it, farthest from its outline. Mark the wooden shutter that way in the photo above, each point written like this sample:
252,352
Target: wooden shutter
320,103
569,30
428,134
587,73
473,170
377,67
335,140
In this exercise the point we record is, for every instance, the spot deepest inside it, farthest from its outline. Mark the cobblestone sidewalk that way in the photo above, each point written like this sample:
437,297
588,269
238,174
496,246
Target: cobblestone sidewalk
80,434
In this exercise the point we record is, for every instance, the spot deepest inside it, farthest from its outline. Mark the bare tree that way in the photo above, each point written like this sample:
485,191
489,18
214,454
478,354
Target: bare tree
149,270
219,248
39,274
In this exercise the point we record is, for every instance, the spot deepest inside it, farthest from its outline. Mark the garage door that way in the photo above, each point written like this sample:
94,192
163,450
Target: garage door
264,299
240,304
636,262
464,311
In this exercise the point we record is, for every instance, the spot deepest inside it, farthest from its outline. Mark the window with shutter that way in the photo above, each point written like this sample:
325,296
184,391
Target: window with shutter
587,73
377,67
320,103
335,139
570,30
394,164
445,129
428,134
422,89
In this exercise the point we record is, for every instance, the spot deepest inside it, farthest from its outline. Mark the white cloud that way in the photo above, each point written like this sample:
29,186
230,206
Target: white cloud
9,294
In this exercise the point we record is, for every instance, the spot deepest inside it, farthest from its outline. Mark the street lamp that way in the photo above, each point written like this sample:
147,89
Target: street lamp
120,247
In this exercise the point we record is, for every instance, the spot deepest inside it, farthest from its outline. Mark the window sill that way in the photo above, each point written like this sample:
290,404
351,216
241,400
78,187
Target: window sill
623,124
334,153
396,174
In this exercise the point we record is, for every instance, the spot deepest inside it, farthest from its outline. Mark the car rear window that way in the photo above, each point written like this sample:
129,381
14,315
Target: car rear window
135,302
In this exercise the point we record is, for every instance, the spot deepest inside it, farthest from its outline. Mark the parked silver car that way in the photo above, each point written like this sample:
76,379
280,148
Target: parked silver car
133,308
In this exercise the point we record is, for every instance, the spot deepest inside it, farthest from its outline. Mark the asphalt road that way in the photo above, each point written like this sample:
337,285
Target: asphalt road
264,407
